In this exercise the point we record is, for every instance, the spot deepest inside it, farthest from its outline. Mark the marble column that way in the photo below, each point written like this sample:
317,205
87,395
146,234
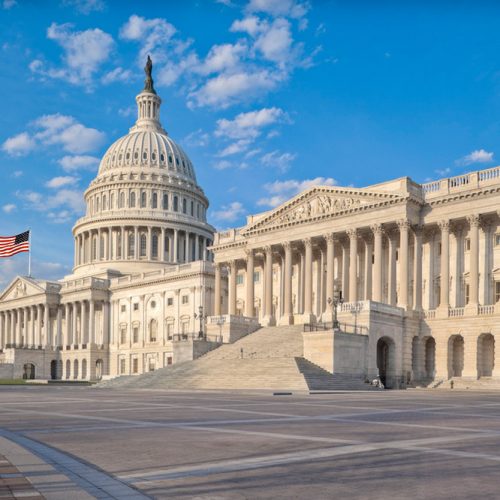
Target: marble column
417,300
345,271
67,327
83,322
474,221
161,246
377,268
250,287
392,297
287,318
268,302
74,326
444,302
330,266
38,340
123,250
308,275
105,322
218,295
58,340
46,325
2,330
186,247
403,263
176,246
92,321
232,287
353,265
136,243
368,267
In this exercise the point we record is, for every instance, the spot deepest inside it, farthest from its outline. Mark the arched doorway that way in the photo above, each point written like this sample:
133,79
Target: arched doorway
98,369
430,357
53,369
28,371
485,355
386,361
455,356
84,369
68,369
75,369
415,354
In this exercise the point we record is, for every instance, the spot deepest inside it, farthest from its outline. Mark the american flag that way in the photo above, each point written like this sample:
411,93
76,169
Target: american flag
10,245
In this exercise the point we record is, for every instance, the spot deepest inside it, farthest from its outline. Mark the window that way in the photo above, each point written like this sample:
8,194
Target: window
176,204
132,200
170,301
239,279
97,205
135,334
122,365
185,299
497,291
497,239
184,206
121,200
143,199
136,306
151,365
165,201
154,202
154,249
131,245
123,308
143,245
153,329
192,208
170,330
256,277
101,247
153,304
104,202
112,201
467,294
467,244
123,335
135,365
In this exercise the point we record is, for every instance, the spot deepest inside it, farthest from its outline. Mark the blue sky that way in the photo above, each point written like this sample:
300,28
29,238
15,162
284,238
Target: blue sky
266,96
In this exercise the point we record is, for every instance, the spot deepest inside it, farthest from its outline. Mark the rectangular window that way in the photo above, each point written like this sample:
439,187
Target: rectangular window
497,239
170,330
239,279
123,336
467,291
256,277
467,244
170,301
136,334
136,306
123,308
497,291
135,365
185,299
122,365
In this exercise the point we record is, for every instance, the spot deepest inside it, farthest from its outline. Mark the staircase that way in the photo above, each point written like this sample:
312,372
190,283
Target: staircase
270,359
484,383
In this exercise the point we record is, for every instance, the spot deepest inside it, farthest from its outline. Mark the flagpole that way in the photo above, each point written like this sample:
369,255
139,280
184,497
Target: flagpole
29,253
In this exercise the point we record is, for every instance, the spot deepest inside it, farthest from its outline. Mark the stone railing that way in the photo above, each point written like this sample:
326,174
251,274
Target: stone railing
484,310
369,305
429,314
343,327
455,312
233,319
471,180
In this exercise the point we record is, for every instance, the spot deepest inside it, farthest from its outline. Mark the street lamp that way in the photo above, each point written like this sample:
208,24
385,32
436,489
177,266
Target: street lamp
202,318
337,299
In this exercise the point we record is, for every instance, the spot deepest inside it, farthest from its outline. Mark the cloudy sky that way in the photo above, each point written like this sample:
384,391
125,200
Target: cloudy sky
267,97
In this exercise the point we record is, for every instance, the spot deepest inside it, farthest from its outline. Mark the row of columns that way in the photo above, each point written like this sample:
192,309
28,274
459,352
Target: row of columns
399,255
116,245
24,327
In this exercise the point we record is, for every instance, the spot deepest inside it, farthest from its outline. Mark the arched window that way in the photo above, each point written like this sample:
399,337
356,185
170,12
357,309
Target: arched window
132,199
192,208
131,245
121,202
176,204
153,330
75,369
165,201
68,368
143,245
184,206
112,201
143,199
154,246
101,247
97,205
104,200
154,202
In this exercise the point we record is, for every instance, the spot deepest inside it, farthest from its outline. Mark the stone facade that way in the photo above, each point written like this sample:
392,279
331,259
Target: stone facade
418,267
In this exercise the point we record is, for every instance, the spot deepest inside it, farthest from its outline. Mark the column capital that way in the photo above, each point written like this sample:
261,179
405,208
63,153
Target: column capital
418,230
444,225
473,220
308,242
287,245
249,252
329,237
377,229
268,249
403,224
352,233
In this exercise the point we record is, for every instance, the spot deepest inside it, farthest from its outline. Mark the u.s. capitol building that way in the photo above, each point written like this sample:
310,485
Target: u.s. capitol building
411,273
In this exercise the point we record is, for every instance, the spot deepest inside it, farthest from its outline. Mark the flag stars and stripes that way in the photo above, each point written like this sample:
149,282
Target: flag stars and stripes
12,245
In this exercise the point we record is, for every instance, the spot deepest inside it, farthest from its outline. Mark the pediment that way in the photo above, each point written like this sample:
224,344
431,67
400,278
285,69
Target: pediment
21,287
322,202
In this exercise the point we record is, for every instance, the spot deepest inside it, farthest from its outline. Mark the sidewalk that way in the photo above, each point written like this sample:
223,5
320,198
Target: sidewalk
13,483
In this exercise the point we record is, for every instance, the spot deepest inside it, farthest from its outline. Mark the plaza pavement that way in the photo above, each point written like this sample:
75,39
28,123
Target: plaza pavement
83,442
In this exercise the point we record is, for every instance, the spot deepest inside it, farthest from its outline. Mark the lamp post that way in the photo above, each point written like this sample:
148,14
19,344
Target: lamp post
337,299
202,318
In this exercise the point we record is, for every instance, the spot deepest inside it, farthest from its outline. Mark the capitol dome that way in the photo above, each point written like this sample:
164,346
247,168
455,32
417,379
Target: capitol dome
145,207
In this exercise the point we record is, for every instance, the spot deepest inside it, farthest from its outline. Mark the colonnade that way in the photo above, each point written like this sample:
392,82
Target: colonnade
140,243
70,325
383,263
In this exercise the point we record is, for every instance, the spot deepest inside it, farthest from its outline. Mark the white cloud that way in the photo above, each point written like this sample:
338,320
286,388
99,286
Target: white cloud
248,125
280,161
198,138
289,8
225,90
58,182
84,53
8,4
79,162
223,57
10,268
86,6
117,75
10,207
280,191
65,131
443,172
276,42
129,111
223,165
17,173
229,213
18,145
234,148
65,200
250,25
477,156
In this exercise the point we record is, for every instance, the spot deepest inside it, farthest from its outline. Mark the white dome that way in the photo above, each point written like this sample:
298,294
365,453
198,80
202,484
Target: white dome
148,149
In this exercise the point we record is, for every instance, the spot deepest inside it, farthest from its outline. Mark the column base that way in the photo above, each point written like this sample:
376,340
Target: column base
268,321
286,320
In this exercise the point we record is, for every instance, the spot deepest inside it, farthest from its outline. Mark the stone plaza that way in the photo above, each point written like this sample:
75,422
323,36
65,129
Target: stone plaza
80,442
